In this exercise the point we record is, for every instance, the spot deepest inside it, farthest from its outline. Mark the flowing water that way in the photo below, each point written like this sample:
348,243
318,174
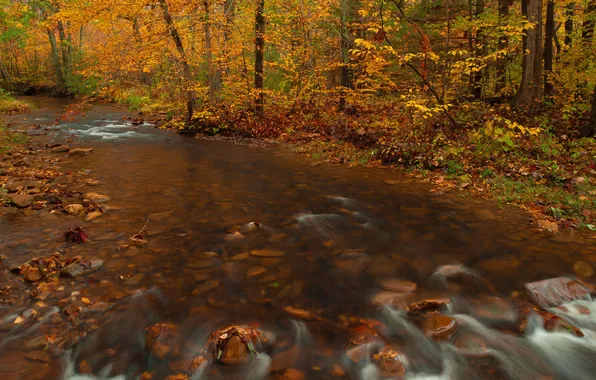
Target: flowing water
339,230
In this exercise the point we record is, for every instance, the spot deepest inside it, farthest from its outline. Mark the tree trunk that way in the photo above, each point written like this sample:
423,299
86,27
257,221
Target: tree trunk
588,26
4,72
480,52
569,13
191,99
589,129
345,43
60,82
548,48
81,39
212,75
530,88
64,47
259,57
501,82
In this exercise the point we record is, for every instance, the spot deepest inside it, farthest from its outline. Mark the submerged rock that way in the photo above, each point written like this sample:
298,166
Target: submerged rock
267,253
397,285
163,339
583,269
556,291
80,152
60,149
81,268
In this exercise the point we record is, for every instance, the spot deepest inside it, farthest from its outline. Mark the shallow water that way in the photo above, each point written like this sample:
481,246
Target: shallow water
340,231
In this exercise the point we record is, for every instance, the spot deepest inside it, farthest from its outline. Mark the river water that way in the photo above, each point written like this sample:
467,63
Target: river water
336,234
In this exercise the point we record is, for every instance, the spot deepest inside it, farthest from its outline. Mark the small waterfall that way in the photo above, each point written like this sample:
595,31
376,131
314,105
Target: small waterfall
259,367
326,225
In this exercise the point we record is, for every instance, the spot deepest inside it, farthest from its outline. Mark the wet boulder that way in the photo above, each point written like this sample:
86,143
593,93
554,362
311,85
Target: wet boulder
440,327
426,305
234,345
81,268
556,291
390,362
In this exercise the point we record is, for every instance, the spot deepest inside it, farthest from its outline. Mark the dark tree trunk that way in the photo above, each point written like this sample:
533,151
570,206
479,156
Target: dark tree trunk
480,52
259,57
548,48
569,13
501,82
191,99
345,43
588,26
4,72
530,88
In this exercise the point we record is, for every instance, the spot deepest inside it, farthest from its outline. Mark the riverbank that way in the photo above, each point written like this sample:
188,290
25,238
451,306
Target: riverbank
501,154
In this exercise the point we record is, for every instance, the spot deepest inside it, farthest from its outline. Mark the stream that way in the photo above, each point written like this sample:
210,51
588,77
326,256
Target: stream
252,234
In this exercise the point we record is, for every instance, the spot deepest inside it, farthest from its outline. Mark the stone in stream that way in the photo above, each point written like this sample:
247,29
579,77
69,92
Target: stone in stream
81,268
205,287
429,304
163,339
97,197
471,346
440,327
134,280
583,269
394,299
93,215
80,152
13,187
390,363
398,286
74,209
200,263
267,253
495,311
255,272
60,149
556,291
234,345
21,200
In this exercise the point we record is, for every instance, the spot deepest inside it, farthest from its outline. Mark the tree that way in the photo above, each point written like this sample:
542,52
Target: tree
480,51
259,57
191,98
503,44
548,48
530,89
